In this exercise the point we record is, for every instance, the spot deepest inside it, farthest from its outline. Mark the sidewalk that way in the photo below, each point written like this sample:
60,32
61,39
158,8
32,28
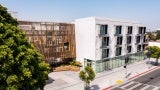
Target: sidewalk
70,81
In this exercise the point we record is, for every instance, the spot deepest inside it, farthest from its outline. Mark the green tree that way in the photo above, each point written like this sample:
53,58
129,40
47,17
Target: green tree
87,75
21,65
158,35
151,36
154,52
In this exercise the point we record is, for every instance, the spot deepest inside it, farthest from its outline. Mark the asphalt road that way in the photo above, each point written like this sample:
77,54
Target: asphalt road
150,81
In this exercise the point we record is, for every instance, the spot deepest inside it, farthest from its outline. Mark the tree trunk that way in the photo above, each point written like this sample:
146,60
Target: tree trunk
86,86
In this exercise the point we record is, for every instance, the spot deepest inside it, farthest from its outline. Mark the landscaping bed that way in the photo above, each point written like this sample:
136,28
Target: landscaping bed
67,68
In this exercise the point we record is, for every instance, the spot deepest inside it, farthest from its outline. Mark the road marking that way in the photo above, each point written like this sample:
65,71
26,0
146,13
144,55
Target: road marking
144,88
156,88
138,84
127,85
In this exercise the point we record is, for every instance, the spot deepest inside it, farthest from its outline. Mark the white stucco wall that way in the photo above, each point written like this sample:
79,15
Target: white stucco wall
88,41
85,39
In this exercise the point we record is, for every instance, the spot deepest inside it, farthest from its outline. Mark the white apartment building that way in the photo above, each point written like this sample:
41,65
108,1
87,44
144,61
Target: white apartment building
104,43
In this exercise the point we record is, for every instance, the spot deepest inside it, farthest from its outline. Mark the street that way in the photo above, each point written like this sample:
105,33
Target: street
150,81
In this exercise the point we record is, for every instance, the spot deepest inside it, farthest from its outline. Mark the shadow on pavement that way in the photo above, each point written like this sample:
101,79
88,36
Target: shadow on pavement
49,80
154,63
94,87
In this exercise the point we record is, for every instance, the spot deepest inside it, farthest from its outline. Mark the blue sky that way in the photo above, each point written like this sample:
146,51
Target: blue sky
144,11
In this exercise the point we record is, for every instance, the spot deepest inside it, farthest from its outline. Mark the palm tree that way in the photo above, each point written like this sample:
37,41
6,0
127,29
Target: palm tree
87,75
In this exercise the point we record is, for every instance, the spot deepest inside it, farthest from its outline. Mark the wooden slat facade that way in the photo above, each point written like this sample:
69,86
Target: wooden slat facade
55,41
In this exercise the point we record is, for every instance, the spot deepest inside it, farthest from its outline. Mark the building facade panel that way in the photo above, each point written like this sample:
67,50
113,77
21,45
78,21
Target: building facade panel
55,41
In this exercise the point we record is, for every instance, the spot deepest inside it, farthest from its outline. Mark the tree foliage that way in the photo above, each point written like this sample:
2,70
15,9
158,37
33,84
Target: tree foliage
154,52
21,65
87,75
158,35
151,36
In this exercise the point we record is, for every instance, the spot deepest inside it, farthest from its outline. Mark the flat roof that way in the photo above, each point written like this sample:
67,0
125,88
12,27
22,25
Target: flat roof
108,19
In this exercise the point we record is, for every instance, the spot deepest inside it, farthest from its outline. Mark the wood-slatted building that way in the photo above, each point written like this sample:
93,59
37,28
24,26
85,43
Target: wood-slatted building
56,41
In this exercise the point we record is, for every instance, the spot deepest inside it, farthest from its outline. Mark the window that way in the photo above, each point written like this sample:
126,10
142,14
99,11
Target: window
138,39
66,46
129,48
129,30
138,48
129,38
119,40
144,39
118,29
89,63
140,30
105,41
118,51
103,29
144,30
105,53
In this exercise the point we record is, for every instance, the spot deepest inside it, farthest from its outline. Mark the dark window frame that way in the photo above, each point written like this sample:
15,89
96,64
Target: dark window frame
119,40
138,39
140,30
105,53
105,41
129,39
130,29
118,30
103,29
139,48
118,51
129,49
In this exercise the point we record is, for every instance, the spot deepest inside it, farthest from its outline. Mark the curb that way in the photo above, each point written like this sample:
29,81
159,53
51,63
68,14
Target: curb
145,72
107,88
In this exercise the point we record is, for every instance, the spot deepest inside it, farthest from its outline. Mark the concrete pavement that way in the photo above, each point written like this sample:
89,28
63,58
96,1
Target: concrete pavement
68,80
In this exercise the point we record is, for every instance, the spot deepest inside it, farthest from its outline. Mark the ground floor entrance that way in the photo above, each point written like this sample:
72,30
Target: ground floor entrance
111,63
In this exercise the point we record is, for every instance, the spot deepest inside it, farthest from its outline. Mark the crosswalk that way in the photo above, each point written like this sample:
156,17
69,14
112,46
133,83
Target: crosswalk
132,85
